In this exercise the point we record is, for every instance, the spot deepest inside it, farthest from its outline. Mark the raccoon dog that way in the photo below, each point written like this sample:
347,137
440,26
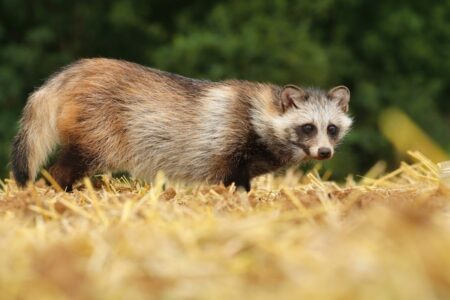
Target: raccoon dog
112,115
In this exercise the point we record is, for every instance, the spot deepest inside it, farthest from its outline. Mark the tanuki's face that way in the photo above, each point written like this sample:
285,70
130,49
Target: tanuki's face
313,120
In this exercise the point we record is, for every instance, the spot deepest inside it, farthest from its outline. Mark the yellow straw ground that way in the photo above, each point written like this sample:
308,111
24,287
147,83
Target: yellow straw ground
293,237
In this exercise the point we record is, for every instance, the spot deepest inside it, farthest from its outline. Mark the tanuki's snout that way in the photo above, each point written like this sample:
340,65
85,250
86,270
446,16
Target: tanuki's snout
324,153
321,153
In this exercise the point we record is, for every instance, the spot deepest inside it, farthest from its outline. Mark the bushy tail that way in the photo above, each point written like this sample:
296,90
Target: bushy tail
19,159
37,136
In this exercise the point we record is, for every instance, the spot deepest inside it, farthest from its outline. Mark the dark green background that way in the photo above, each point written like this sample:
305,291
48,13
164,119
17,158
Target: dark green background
390,53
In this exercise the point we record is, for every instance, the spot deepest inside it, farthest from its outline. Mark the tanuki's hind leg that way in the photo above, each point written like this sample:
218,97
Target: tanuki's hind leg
71,165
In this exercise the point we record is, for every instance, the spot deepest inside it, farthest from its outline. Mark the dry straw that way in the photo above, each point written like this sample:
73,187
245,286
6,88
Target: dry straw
383,236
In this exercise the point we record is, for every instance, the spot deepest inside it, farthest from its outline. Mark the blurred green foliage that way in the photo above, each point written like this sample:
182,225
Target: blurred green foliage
390,53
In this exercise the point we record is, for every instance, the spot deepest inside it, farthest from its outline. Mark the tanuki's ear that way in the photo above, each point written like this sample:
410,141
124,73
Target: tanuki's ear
292,96
340,94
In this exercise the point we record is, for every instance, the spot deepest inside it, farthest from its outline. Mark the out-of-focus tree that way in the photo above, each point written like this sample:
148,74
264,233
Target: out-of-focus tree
390,53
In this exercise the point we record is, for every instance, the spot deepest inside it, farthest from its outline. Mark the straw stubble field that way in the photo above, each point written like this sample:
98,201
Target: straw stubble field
291,237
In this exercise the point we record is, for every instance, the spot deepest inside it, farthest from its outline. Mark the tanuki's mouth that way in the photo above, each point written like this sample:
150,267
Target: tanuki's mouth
321,158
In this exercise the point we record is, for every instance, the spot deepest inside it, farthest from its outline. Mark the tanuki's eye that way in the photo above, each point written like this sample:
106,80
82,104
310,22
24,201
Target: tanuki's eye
332,130
308,128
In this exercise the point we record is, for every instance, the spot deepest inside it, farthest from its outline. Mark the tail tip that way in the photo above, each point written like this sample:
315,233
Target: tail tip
21,178
19,161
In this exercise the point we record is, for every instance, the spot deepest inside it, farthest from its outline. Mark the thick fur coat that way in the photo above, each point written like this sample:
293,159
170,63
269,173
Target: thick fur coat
112,115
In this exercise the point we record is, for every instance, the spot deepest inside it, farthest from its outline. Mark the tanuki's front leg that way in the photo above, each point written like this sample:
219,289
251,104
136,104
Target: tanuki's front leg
240,175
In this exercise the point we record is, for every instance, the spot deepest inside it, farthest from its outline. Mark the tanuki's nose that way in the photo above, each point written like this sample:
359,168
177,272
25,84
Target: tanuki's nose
324,153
